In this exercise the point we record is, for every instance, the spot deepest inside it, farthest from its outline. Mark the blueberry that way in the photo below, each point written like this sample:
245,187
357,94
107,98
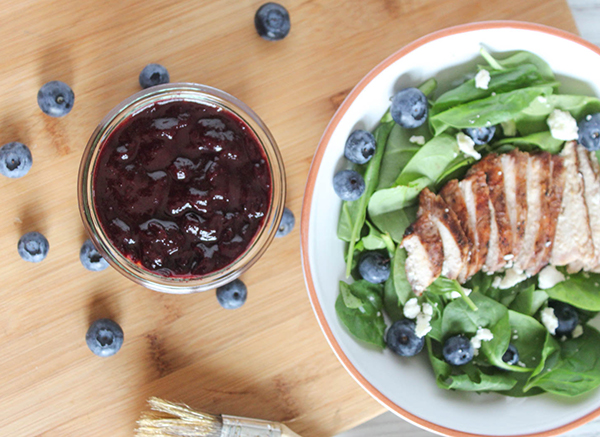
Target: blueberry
287,223
33,247
56,98
272,21
511,356
481,135
104,337
91,258
409,108
233,295
152,75
402,340
458,350
589,132
348,185
567,317
360,147
374,267
15,160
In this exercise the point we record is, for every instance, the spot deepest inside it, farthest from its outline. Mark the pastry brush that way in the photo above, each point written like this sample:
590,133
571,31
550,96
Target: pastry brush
168,419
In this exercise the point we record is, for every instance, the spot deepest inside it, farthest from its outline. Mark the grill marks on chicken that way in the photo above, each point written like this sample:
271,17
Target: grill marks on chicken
515,210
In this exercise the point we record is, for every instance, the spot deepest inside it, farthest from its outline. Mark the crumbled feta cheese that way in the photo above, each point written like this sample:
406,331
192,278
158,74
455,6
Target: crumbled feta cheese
411,308
493,93
510,279
417,139
456,294
542,99
549,320
562,125
549,277
482,79
521,364
423,326
483,334
509,128
508,257
427,309
466,145
578,331
588,117
496,282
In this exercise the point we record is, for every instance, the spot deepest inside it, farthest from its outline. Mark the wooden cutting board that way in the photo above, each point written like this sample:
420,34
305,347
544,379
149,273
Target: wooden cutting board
267,359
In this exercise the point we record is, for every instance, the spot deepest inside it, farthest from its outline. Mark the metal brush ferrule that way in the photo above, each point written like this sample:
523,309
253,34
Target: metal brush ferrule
234,426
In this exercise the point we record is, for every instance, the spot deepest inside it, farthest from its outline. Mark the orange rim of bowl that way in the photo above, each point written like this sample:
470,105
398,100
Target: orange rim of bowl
307,203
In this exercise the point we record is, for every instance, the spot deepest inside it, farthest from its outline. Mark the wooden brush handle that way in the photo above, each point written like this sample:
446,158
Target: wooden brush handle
234,426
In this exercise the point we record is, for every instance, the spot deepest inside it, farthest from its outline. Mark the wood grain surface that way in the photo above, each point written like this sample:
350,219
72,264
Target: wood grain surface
267,359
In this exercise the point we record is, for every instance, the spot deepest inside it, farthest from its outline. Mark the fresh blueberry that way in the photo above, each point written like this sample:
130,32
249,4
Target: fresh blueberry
272,21
348,185
567,317
15,160
152,75
511,356
589,132
233,295
91,258
402,340
33,247
374,267
104,337
56,98
360,146
458,350
287,223
409,108
481,135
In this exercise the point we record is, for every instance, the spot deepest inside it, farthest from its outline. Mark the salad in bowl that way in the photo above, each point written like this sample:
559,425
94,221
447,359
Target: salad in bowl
451,231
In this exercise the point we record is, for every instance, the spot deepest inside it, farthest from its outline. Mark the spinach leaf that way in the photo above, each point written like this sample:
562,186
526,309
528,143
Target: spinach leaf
521,76
396,198
575,369
395,223
468,377
508,295
480,282
541,140
437,303
375,240
353,214
533,118
430,161
398,152
528,336
582,290
459,318
495,348
529,300
358,307
401,284
519,58
444,287
489,111
391,304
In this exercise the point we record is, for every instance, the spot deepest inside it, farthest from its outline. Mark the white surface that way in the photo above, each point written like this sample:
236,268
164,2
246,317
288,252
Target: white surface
587,17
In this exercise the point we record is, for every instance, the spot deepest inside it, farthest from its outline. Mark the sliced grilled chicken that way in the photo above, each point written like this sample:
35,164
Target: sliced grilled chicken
454,241
573,238
514,167
557,183
423,245
500,245
453,196
542,164
590,171
477,199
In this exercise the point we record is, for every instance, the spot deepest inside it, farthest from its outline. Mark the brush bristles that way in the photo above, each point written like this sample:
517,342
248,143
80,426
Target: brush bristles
176,420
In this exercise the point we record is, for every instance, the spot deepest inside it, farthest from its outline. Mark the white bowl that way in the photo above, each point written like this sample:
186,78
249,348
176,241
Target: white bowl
407,386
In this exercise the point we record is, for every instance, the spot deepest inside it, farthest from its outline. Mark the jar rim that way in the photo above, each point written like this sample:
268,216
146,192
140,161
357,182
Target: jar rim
128,108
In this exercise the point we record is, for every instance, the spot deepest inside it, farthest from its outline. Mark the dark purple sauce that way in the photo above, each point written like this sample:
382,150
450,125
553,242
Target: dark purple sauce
182,188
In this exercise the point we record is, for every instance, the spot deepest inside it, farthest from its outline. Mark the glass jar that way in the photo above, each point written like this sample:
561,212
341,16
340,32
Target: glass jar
123,113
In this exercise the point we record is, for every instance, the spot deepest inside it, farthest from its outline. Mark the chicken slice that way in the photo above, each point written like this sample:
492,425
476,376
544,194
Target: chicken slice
477,199
454,241
425,253
542,163
573,237
453,196
590,170
514,167
500,245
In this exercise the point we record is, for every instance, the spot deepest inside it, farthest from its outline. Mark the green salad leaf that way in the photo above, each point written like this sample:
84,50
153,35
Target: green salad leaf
358,307
582,290
519,58
540,140
399,150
